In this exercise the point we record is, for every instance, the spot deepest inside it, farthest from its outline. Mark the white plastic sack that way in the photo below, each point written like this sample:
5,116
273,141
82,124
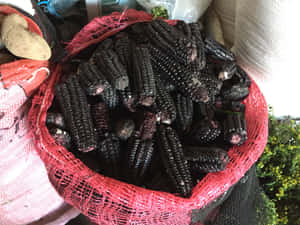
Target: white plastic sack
267,45
187,10
26,195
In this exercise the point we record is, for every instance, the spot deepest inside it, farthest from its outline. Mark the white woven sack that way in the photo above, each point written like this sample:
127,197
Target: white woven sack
26,195
267,45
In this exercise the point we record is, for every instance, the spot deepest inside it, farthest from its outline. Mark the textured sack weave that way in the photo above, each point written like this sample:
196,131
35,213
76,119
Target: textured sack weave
265,36
108,201
26,195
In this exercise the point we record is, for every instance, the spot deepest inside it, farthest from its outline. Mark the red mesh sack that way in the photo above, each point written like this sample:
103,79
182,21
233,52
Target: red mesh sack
108,201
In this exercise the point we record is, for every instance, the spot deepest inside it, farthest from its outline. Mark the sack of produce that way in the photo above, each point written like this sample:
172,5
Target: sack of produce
147,120
23,178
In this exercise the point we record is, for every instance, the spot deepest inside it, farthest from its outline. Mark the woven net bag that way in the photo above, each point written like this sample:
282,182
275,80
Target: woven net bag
108,201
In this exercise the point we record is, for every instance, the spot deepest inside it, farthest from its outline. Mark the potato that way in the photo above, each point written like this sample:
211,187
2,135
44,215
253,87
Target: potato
22,42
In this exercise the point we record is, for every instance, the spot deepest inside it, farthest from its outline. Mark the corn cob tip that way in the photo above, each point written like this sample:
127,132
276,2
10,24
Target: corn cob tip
55,119
237,138
87,148
223,75
146,100
124,128
61,137
228,70
121,83
163,117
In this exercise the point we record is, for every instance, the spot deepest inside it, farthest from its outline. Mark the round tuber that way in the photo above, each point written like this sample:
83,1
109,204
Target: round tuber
22,42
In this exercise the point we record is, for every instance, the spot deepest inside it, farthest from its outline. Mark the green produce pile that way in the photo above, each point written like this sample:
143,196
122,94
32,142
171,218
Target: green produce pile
279,171
160,12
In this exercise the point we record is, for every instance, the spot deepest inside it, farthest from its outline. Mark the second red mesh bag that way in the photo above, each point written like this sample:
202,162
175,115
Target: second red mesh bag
108,201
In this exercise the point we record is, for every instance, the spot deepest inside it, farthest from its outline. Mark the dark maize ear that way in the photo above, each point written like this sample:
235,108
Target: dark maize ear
227,71
168,39
217,51
100,115
143,76
166,110
132,148
206,131
211,67
109,153
74,106
196,56
92,79
124,128
206,159
110,65
55,120
122,48
137,33
140,155
184,112
243,77
238,107
234,106
147,125
236,92
61,137
110,98
173,160
104,45
206,167
138,28
212,84
235,130
181,76
205,154
168,86
196,36
128,99
147,158
204,111
184,28
166,82
194,68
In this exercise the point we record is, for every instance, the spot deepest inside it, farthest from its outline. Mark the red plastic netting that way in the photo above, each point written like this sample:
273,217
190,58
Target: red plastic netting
108,201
